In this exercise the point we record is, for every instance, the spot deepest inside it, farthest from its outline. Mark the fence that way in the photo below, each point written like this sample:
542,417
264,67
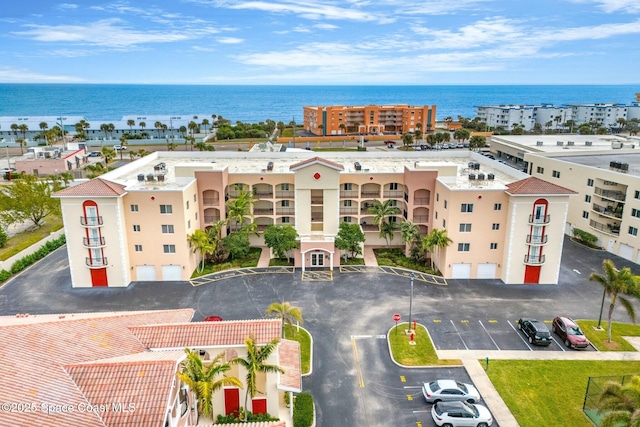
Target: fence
595,385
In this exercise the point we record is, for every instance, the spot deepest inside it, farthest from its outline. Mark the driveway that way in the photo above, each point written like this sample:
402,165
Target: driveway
350,313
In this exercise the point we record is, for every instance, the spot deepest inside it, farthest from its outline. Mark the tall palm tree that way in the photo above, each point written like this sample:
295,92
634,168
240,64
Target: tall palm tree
214,234
105,128
142,125
205,123
182,130
343,127
111,127
131,123
410,233
192,126
620,404
200,243
254,363
434,242
23,128
387,231
239,208
382,210
618,282
285,312
201,378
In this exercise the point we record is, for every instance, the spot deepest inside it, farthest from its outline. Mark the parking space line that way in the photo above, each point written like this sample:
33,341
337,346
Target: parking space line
403,379
421,411
561,346
460,336
357,359
490,337
517,331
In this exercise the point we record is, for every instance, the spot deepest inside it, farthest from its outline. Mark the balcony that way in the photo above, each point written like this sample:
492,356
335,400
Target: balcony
421,219
211,201
613,229
263,211
285,194
421,201
264,194
539,219
91,221
393,194
370,193
610,194
284,211
348,210
96,262
208,219
93,242
536,240
609,211
534,259
348,194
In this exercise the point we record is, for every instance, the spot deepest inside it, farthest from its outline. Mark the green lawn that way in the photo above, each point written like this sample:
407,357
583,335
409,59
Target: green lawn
292,333
277,262
394,257
618,330
25,239
352,261
421,354
550,392
250,260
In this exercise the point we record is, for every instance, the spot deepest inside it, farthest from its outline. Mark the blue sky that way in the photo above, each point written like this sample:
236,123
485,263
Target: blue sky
321,42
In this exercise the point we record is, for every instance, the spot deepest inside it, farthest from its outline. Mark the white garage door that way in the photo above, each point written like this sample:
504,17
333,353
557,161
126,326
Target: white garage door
145,272
171,272
461,271
626,251
486,271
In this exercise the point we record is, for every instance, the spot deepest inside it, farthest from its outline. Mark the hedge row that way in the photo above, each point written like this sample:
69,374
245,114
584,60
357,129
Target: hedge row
28,260
303,410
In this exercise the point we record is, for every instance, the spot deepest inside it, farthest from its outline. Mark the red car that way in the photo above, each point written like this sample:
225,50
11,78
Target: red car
570,332
212,319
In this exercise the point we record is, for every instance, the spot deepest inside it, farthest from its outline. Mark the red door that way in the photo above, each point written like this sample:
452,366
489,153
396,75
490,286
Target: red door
259,406
99,277
231,401
532,274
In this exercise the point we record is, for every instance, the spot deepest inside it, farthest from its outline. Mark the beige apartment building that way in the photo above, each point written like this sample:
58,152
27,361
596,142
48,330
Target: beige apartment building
132,223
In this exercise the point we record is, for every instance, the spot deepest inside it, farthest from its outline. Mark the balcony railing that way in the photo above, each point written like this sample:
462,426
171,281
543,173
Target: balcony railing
263,211
423,201
539,219
96,262
610,194
536,240
93,241
609,211
208,219
211,201
345,210
605,228
317,217
421,218
393,193
370,193
263,193
348,194
534,259
285,194
91,220
369,227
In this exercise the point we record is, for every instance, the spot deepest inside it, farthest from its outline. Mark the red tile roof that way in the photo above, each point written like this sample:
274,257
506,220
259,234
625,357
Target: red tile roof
315,160
96,187
207,334
289,360
42,348
256,424
534,186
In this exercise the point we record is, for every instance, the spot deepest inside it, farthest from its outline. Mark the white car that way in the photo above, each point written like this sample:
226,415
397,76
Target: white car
448,391
119,147
460,414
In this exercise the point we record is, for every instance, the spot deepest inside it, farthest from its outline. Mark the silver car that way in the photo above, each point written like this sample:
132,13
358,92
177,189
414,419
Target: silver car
449,390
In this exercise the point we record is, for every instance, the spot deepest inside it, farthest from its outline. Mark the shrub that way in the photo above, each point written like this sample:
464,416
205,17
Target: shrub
239,418
303,410
585,237
3,238
27,260
4,276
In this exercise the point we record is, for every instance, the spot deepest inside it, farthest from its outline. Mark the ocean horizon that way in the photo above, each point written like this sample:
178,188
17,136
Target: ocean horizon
256,103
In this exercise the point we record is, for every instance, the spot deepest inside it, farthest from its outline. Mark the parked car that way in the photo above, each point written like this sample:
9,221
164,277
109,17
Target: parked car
390,142
94,154
535,330
119,147
458,414
570,332
449,390
212,319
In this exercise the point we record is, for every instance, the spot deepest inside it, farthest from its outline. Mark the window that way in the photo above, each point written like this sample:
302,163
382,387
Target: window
556,174
136,228
633,231
445,204
467,207
347,186
495,226
285,203
286,220
585,214
346,219
444,223
169,249
438,197
196,216
393,186
187,204
589,182
497,206
134,208
166,209
347,203
138,248
493,246
195,198
587,198
284,187
188,223
167,229
540,169
393,219
635,212
465,228
436,214
637,195
464,247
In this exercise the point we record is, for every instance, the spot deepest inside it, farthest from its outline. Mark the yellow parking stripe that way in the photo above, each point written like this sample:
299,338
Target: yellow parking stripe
403,379
357,359
409,397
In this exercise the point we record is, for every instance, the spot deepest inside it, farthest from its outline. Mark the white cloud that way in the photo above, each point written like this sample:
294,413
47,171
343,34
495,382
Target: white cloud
610,6
10,75
203,49
68,6
230,40
325,26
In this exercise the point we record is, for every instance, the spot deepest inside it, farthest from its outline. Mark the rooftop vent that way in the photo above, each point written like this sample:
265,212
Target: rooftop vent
491,177
151,177
357,166
470,165
559,143
571,143
472,176
160,166
481,176
476,166
140,177
588,143
270,166
161,178
624,166
539,143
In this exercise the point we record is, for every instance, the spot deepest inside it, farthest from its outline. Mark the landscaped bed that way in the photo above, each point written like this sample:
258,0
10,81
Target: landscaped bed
618,330
394,257
250,260
421,354
291,332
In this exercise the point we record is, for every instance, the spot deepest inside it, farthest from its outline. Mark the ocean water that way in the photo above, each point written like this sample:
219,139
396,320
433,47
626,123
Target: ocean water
281,103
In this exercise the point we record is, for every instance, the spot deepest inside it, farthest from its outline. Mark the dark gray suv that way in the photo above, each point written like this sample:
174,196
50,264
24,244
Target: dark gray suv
535,330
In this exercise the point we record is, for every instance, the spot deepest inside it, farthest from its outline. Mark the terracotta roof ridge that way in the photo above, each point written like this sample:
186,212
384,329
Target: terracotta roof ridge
82,393
99,363
221,322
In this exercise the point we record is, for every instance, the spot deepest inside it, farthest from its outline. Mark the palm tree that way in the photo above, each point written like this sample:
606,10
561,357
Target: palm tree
285,312
238,208
254,363
342,127
131,123
158,126
620,404
617,282
434,241
105,128
205,123
382,210
200,243
214,234
192,126
387,231
201,378
410,233
14,128
108,153
182,129
123,142
142,125
111,127
23,128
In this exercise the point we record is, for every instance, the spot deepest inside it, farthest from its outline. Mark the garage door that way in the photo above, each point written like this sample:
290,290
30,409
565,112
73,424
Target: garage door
626,251
145,272
171,272
486,271
461,271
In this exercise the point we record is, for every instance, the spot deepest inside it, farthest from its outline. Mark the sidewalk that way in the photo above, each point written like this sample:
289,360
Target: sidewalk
265,257
369,257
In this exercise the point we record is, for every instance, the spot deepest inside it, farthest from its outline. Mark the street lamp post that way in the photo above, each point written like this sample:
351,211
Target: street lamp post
604,293
411,276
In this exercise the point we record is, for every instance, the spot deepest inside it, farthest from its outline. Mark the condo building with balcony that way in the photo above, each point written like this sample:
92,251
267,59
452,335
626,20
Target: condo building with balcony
132,223
368,120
